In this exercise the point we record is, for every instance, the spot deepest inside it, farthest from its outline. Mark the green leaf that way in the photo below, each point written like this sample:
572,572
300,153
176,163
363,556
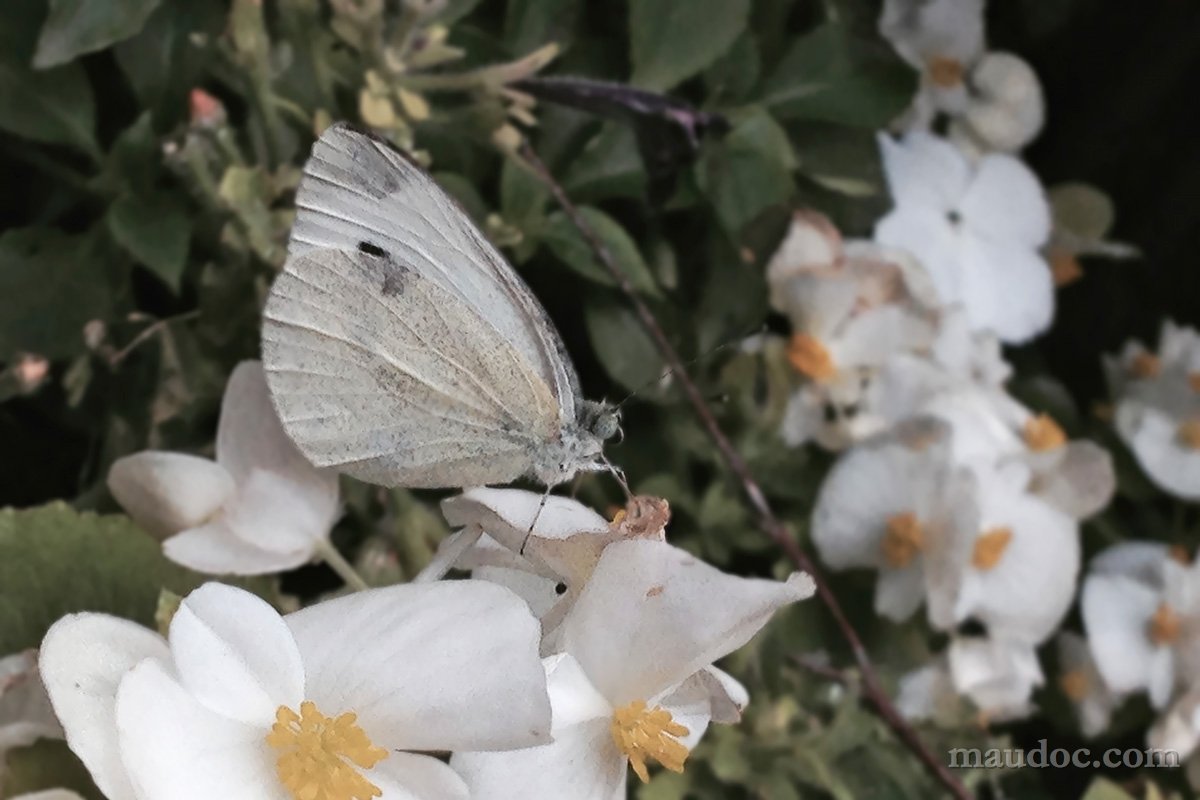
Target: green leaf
748,171
832,75
51,106
625,350
1104,789
672,40
55,560
61,287
608,166
569,246
154,229
529,24
75,27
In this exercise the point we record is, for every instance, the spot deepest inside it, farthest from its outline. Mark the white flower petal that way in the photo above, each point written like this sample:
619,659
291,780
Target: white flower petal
928,234
250,437
728,696
410,776
235,654
1142,561
653,614
83,658
274,513
998,676
49,794
1116,612
215,549
924,171
435,666
169,492
690,705
1079,479
582,763
1153,436
177,749
1096,706
573,698
899,593
1006,288
1005,202
506,515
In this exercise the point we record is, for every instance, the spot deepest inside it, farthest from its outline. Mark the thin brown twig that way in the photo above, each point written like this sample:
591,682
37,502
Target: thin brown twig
768,521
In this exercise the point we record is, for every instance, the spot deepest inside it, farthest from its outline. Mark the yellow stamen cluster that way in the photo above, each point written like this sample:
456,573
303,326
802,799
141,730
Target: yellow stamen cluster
1042,433
318,755
902,540
641,733
1189,433
1165,626
811,358
990,547
946,72
1145,365
1075,684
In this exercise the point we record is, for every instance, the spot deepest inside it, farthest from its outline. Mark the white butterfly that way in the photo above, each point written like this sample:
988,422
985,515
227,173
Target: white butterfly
402,349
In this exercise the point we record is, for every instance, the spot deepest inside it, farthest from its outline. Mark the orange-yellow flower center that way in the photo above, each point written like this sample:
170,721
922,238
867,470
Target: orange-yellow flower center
1165,625
1042,433
902,540
810,357
320,757
990,547
1145,365
1065,268
1189,433
1194,381
1074,684
945,72
641,733
1180,553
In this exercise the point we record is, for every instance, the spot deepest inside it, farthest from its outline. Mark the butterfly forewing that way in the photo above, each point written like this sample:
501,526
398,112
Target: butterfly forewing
358,194
385,374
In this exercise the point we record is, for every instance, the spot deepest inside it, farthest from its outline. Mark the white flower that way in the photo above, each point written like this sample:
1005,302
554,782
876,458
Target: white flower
1021,576
942,39
261,507
897,504
996,674
997,677
1178,728
1142,615
548,563
1158,408
976,229
635,683
242,704
49,794
1005,108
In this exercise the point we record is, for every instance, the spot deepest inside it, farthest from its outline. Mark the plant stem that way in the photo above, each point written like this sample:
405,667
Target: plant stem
768,521
330,555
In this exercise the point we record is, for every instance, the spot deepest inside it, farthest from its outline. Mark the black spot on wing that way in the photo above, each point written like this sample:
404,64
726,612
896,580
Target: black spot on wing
372,249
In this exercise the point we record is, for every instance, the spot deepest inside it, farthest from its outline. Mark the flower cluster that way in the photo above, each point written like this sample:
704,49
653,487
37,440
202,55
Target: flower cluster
962,499
579,646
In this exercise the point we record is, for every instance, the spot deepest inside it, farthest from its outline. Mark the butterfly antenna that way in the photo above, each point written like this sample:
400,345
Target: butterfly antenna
533,523
705,355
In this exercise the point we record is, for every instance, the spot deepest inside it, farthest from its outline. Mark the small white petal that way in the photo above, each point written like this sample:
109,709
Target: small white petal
450,665
250,437
1006,288
728,696
925,171
582,763
215,549
928,234
235,654
899,592
1142,561
1079,478
998,676
83,658
1005,202
169,492
1153,436
177,749
653,614
1117,610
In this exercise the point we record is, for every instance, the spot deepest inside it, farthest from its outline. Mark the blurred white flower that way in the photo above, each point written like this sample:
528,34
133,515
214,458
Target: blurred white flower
635,682
48,794
1021,576
1141,610
547,564
243,704
1005,107
996,676
261,507
942,39
977,229
896,503
1178,728
1082,683
1158,408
